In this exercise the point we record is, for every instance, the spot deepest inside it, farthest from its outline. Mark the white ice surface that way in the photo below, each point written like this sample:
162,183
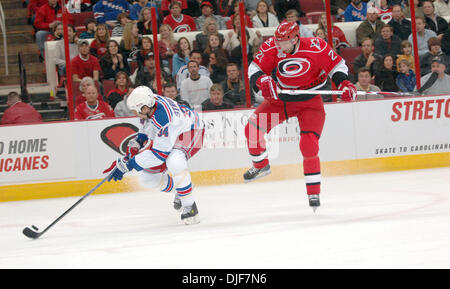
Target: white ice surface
386,220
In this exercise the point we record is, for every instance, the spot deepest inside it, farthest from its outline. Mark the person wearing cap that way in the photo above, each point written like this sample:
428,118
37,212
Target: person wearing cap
146,73
371,27
356,11
85,64
442,83
208,11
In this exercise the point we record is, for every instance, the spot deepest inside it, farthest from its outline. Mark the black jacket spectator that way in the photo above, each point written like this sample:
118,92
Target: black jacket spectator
445,43
386,79
383,47
360,61
207,105
441,27
401,28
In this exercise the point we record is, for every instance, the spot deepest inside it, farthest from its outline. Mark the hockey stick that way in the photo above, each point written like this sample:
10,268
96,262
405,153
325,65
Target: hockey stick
431,80
339,92
33,233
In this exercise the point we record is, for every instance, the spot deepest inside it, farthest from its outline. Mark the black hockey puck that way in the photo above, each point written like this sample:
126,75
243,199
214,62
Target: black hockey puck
34,227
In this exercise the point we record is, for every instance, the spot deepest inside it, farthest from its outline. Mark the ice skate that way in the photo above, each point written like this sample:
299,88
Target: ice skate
314,201
189,216
255,173
177,203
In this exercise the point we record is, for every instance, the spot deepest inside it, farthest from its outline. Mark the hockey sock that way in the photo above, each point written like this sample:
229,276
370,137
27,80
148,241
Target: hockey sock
309,146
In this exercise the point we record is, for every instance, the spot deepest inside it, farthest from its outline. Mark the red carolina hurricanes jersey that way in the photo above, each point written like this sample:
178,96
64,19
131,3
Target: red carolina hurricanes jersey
185,24
83,111
305,68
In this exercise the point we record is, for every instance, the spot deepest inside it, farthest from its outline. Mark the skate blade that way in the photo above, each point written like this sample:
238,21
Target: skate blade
192,220
258,177
314,208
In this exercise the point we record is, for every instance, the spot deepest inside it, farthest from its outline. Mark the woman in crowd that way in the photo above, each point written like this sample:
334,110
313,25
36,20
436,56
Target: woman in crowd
217,67
236,53
60,58
167,46
145,21
214,45
210,27
113,62
121,83
131,42
98,45
386,78
263,17
146,47
232,41
182,56
84,83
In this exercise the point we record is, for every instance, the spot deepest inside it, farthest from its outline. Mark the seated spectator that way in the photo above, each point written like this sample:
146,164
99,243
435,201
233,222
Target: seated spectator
356,11
400,25
85,64
236,53
442,84
136,8
210,27
207,11
106,11
121,109
321,34
91,27
232,41
216,101
182,56
46,15
184,7
60,51
248,20
418,10
442,7
445,42
433,22
387,42
167,47
370,28
217,67
131,42
121,83
422,36
93,108
233,85
406,47
367,58
170,91
19,112
386,78
364,83
293,16
56,31
154,86
146,47
195,89
179,22
252,5
146,73
281,7
339,39
214,45
406,78
434,49
112,62
122,19
145,22
84,83
183,72
98,45
263,17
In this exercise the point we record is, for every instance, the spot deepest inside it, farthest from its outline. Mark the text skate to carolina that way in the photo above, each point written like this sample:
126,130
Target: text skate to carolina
169,135
301,64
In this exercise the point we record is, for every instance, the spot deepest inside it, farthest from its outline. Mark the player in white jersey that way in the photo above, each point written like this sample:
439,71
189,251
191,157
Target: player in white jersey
170,134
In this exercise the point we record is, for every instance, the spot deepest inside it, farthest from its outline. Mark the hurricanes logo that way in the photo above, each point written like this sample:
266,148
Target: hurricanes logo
182,28
118,135
293,67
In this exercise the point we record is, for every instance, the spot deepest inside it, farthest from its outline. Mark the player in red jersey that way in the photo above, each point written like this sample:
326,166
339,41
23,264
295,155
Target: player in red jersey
301,64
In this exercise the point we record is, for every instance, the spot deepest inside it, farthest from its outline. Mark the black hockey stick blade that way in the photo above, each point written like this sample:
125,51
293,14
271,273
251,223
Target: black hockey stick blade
429,83
30,233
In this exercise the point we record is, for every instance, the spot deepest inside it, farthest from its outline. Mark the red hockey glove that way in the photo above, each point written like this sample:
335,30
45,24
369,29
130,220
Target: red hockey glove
348,89
267,86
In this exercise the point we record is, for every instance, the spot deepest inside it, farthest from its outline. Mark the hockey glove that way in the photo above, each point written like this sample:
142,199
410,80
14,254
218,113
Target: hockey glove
267,86
120,167
134,145
348,89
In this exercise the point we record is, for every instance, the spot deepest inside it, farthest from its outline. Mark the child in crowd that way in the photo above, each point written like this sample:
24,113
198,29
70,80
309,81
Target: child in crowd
406,48
406,79
57,30
91,27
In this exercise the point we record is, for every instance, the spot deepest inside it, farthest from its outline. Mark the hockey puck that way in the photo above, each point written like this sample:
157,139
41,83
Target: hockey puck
34,227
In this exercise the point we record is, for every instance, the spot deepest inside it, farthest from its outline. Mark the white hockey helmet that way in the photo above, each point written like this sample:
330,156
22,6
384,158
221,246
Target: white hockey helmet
140,96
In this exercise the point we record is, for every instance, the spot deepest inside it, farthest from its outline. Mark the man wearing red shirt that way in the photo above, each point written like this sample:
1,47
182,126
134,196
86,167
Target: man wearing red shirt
165,5
85,64
46,15
179,22
93,108
19,112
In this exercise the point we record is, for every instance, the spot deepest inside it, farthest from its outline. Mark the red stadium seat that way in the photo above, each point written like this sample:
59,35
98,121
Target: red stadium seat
312,6
349,54
108,85
133,66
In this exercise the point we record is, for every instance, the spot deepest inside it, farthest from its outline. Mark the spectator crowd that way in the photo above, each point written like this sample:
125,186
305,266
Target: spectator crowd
207,72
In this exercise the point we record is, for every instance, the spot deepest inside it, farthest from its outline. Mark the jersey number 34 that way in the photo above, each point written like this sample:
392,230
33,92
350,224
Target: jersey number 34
163,132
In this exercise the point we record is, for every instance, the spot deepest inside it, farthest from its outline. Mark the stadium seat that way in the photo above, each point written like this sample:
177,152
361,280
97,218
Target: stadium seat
349,54
108,85
312,6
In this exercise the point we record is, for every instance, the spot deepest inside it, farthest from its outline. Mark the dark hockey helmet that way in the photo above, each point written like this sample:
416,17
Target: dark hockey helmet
287,31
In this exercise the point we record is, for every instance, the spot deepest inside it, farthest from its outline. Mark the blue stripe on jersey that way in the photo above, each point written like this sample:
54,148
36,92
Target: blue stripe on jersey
163,114
132,163
162,156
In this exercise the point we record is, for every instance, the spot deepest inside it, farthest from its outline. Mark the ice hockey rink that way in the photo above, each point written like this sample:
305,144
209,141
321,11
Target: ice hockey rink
386,220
